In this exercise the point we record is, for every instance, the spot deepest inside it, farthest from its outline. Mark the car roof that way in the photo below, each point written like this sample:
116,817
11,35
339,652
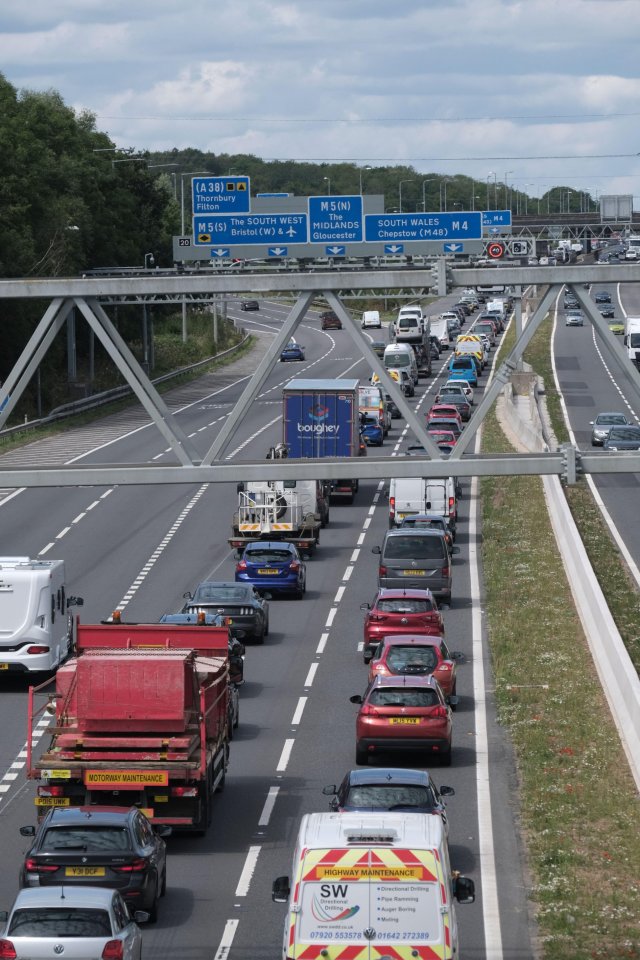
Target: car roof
96,816
396,593
71,896
186,619
421,532
271,545
389,775
427,516
403,680
411,639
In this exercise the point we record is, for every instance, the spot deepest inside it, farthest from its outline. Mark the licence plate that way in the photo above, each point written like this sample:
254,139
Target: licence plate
404,719
413,573
268,572
52,801
84,872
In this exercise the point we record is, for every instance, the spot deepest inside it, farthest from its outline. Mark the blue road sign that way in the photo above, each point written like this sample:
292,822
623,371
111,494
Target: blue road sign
393,248
405,227
267,228
335,219
496,218
220,195
277,251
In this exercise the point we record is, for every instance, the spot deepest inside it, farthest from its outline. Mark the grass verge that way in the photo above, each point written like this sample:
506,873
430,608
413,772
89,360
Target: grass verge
579,805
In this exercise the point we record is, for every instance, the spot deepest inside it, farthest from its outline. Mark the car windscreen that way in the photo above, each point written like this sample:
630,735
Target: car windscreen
403,697
98,839
60,922
397,360
421,523
420,658
268,556
634,340
624,433
414,548
607,418
389,796
462,365
404,605
215,594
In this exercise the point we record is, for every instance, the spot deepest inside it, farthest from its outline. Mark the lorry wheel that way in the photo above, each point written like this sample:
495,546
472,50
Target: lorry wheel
362,755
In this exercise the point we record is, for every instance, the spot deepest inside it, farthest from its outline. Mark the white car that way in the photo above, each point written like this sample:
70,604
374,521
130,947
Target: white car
371,318
71,922
462,385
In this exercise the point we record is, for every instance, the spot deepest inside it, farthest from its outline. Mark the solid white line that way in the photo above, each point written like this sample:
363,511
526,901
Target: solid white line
285,755
269,804
331,616
229,933
297,716
247,872
339,595
323,643
12,495
311,675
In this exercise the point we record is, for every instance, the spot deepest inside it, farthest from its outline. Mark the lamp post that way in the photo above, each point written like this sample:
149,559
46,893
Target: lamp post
361,170
443,183
406,180
474,197
149,260
506,188
328,179
189,173
424,198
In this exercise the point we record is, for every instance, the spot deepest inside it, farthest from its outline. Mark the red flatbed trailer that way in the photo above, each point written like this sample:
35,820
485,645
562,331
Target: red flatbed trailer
140,719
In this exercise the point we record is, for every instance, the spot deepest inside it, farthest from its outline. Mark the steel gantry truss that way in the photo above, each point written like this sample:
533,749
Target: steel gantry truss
87,294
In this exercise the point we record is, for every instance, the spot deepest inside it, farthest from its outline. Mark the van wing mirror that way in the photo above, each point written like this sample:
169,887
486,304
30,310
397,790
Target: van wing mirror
446,791
356,698
29,831
368,656
75,602
280,890
464,890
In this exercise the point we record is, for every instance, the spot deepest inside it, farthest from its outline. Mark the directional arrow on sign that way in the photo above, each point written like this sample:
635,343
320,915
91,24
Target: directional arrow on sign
336,251
454,247
277,251
394,248
220,252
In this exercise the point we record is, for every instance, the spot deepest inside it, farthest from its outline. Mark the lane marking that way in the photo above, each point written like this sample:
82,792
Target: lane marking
228,934
269,804
247,872
322,644
312,673
347,573
62,533
355,555
297,716
331,616
285,756
339,594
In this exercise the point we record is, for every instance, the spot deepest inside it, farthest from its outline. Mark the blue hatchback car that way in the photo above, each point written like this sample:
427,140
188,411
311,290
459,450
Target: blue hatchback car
371,431
273,566
463,368
292,351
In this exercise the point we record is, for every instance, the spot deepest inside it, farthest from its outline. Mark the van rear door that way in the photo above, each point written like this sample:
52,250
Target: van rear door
375,901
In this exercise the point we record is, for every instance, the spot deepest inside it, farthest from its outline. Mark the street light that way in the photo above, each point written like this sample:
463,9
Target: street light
474,197
506,188
424,183
149,260
361,169
406,180
328,179
495,187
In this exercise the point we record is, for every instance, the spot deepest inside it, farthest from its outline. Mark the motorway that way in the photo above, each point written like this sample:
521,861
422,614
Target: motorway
140,549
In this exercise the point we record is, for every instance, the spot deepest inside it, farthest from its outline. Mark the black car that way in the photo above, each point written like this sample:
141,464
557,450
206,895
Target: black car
602,296
249,305
378,347
239,601
623,438
109,847
607,311
571,303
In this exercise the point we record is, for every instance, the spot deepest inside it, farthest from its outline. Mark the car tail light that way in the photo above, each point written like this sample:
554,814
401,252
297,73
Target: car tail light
241,565
392,507
113,950
377,617
7,950
37,649
184,791
51,791
294,565
32,866
382,571
446,571
136,866
446,665
452,503
439,713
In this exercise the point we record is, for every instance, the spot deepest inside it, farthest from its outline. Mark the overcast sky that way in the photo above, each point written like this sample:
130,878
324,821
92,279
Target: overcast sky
494,89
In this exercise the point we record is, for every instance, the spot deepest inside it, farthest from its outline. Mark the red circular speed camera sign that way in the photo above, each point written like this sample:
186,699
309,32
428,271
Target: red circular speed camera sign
495,250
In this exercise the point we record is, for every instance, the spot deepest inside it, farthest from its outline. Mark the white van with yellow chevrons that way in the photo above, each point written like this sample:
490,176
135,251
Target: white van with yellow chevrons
371,885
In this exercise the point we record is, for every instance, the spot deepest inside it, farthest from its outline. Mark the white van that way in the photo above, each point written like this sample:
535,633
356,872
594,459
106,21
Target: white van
36,630
409,495
371,318
401,356
367,879
440,329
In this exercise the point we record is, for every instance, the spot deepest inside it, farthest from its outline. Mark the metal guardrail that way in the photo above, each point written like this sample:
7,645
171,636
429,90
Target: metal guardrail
108,396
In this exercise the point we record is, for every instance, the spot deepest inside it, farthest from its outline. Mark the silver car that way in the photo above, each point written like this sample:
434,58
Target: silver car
77,923
602,425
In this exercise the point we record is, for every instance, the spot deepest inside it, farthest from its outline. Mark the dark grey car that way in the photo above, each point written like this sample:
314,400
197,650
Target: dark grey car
416,559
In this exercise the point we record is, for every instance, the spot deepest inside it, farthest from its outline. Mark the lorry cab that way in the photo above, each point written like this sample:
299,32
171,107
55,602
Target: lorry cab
371,885
36,629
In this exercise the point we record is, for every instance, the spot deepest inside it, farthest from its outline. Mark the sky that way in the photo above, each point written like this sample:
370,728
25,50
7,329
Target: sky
535,94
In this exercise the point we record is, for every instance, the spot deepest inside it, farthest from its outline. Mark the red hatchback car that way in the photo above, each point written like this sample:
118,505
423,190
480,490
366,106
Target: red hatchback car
447,410
402,713
402,611
411,655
